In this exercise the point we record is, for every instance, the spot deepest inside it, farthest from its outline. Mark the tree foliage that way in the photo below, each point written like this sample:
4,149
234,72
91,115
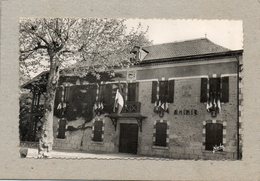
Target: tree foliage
86,45
78,46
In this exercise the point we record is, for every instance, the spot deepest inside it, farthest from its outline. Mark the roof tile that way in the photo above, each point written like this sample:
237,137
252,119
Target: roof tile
182,49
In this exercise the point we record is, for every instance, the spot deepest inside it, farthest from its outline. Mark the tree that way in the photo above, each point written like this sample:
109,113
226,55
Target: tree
91,45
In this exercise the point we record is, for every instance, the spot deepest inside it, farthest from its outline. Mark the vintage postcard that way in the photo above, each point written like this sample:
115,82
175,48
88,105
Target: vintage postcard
130,90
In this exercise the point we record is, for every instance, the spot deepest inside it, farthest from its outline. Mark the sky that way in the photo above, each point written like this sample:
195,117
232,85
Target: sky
226,33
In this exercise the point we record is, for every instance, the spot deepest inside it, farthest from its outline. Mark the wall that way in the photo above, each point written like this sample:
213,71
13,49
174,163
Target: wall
82,139
185,131
185,71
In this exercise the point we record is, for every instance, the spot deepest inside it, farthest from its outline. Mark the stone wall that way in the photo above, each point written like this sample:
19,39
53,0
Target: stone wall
185,71
186,131
82,139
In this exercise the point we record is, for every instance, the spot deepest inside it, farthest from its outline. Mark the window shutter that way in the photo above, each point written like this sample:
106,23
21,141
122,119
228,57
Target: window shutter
161,134
107,97
66,94
98,131
131,95
136,91
203,90
62,129
154,91
73,100
225,89
71,93
122,89
171,91
214,88
57,101
163,91
89,99
214,135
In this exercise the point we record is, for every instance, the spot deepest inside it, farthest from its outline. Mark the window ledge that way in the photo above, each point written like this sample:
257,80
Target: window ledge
97,142
160,147
60,139
217,152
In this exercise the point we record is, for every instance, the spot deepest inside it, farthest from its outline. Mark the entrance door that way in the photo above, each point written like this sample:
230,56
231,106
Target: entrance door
128,138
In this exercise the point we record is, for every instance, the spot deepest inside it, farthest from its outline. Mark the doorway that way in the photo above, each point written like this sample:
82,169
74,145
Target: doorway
128,140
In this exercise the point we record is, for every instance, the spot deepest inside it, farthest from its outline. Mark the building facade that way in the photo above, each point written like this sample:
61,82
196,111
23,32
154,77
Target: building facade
182,101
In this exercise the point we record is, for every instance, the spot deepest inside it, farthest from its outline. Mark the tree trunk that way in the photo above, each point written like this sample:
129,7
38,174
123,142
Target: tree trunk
46,139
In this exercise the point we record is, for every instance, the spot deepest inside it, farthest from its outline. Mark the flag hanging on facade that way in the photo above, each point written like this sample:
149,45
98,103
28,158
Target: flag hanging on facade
119,102
219,105
208,106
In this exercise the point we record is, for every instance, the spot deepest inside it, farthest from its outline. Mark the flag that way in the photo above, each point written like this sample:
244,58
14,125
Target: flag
162,105
167,107
219,105
156,106
59,106
207,106
210,104
95,106
155,103
119,102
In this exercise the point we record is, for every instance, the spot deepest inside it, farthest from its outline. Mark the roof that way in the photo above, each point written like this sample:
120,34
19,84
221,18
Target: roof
183,50
194,47
40,81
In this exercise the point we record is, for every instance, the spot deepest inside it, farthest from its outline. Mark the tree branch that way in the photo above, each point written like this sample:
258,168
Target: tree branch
39,46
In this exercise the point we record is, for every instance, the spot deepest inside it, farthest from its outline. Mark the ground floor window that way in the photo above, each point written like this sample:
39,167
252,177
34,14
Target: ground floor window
98,131
62,128
161,133
214,135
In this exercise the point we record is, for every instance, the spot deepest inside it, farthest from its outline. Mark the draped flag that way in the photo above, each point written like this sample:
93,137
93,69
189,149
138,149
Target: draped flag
219,105
208,106
119,102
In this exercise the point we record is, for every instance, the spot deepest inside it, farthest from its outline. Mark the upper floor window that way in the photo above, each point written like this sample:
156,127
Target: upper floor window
132,93
164,90
214,89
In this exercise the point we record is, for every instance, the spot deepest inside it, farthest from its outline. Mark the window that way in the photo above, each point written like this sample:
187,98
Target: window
218,88
80,101
62,128
161,134
225,89
107,93
214,135
58,96
163,91
106,97
132,94
166,91
214,88
98,131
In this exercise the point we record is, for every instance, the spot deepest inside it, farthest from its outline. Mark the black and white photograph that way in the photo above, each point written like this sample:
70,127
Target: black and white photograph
146,89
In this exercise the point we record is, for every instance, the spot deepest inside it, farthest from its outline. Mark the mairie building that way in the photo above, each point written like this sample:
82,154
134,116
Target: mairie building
182,100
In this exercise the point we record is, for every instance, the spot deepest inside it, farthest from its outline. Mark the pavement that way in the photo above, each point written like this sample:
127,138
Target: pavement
64,154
